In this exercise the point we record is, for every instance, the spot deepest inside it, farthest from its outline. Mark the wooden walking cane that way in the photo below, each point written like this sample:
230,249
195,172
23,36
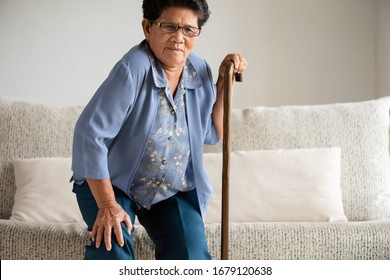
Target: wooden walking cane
228,85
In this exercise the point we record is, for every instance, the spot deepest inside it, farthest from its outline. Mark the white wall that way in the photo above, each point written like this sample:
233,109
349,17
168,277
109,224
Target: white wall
59,51
299,51
383,48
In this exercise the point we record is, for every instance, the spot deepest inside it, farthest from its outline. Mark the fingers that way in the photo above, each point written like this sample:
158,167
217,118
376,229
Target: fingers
118,234
107,238
97,234
128,223
94,231
106,224
240,62
118,230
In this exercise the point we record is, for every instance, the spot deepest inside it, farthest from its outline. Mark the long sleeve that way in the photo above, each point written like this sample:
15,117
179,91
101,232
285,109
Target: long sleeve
100,122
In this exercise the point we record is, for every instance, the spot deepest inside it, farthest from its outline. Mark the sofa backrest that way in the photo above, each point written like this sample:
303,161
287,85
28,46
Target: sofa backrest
29,131
361,130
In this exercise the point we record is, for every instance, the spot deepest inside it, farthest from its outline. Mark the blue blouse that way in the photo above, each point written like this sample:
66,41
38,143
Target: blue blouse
166,162
112,132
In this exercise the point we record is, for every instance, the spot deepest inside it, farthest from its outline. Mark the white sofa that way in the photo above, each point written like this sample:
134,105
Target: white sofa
45,225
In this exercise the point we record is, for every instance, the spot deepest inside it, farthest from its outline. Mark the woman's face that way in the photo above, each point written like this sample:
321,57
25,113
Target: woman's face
171,49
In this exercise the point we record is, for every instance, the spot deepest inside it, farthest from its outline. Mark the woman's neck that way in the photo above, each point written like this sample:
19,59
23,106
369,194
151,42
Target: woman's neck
173,78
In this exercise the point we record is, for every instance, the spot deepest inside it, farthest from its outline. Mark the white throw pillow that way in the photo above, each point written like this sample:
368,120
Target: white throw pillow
360,129
298,185
43,192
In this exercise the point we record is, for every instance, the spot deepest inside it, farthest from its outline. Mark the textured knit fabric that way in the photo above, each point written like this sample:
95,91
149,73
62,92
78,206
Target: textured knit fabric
250,241
360,129
30,130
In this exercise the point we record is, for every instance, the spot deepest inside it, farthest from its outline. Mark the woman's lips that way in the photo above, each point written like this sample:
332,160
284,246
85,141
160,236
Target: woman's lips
175,49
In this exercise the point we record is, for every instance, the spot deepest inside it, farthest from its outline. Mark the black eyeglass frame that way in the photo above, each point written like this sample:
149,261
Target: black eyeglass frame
177,27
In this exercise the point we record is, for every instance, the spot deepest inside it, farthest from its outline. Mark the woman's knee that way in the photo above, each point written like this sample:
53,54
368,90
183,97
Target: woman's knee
126,252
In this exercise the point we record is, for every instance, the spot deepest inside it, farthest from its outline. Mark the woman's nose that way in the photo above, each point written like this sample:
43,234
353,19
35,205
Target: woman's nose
178,35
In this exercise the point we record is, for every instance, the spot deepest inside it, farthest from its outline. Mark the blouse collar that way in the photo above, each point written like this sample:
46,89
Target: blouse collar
190,77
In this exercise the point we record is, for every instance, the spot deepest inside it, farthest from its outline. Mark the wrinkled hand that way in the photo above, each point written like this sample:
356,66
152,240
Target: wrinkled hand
109,218
240,63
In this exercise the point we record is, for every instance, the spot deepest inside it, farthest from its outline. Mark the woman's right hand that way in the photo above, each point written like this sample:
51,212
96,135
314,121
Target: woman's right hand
110,214
108,220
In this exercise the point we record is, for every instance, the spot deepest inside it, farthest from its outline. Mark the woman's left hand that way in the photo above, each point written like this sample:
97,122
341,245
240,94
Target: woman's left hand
240,64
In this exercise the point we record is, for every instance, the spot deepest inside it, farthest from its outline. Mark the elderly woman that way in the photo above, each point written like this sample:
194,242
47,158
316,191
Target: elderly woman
137,147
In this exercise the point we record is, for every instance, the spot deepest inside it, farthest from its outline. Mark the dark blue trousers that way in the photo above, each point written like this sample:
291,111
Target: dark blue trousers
175,225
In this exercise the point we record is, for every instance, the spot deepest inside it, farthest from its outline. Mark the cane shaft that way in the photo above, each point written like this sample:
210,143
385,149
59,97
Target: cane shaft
228,89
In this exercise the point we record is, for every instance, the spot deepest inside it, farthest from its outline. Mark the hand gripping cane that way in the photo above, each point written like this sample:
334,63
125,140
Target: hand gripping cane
228,85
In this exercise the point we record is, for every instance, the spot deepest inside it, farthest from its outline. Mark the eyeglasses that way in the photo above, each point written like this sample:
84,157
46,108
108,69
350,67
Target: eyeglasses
188,30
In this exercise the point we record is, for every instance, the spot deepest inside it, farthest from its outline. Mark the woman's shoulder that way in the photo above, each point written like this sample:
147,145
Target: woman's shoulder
200,66
136,56
197,61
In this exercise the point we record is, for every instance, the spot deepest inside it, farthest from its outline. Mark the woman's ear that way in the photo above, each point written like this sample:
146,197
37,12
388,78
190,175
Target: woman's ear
146,28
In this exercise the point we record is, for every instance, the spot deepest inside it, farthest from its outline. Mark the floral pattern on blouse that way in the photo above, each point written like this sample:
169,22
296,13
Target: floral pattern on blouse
163,168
